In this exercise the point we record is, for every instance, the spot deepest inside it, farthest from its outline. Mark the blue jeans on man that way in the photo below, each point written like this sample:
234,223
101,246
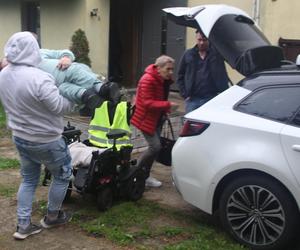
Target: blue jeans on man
193,103
56,157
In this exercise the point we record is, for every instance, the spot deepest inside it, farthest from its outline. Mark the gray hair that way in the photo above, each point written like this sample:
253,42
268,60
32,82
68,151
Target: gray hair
163,60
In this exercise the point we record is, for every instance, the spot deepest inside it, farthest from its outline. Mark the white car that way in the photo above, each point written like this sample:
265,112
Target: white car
239,154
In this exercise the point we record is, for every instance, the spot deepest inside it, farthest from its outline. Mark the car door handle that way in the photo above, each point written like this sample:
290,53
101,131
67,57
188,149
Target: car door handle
296,148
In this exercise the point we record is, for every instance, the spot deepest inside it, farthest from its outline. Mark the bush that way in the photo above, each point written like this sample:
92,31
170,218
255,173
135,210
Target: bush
80,47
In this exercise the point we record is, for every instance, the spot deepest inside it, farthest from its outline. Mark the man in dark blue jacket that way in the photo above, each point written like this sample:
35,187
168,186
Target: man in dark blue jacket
201,74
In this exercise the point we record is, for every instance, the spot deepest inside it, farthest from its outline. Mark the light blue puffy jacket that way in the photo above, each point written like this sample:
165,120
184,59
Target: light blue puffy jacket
74,80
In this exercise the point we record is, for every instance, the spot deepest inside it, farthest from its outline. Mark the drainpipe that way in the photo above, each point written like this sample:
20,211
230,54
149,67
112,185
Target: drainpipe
256,11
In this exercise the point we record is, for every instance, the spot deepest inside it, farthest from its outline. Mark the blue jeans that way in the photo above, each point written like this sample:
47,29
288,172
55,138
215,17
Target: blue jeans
56,157
195,102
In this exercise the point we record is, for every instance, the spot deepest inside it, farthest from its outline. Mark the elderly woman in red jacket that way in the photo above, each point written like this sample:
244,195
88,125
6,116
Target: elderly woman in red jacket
151,106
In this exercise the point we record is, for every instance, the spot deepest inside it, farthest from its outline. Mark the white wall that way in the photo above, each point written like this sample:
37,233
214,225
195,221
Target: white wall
59,20
97,30
10,20
280,19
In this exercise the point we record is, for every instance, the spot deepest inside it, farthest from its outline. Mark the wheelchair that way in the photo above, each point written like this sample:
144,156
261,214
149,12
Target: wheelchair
112,175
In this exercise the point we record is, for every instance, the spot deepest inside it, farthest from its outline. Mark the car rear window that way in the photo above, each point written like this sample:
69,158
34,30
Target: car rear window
279,103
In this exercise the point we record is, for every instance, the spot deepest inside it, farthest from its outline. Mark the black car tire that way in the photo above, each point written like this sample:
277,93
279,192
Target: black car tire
104,198
135,185
259,212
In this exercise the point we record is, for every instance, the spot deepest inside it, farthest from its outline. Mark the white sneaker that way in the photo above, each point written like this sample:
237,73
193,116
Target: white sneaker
152,182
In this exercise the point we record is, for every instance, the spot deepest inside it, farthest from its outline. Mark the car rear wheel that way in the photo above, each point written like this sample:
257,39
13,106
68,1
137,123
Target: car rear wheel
259,212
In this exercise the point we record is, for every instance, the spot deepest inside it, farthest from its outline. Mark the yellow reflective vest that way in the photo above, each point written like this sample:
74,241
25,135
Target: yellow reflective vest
100,125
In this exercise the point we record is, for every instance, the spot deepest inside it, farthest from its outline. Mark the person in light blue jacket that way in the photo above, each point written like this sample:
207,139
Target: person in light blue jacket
76,81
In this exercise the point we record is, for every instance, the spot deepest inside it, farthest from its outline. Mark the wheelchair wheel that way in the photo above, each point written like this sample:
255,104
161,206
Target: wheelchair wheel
104,198
136,185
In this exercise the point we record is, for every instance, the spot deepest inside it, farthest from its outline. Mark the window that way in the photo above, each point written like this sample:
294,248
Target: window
31,17
291,48
279,103
296,120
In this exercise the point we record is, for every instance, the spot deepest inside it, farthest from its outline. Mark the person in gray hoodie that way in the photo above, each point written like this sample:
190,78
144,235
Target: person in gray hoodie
34,110
75,81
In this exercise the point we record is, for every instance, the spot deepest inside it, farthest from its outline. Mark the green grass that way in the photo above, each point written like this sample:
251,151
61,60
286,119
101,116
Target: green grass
6,163
206,239
3,129
7,191
114,223
42,206
147,225
2,117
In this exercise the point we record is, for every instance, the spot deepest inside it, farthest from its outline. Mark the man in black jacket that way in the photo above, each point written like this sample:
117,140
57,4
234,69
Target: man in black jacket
201,74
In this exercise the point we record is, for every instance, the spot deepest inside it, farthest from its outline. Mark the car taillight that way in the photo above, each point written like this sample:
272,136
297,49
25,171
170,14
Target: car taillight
191,128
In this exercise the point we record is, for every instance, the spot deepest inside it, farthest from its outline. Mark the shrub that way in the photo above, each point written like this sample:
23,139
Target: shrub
80,47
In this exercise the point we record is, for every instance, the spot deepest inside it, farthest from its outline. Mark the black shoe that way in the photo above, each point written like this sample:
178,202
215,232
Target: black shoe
22,234
110,91
61,219
91,99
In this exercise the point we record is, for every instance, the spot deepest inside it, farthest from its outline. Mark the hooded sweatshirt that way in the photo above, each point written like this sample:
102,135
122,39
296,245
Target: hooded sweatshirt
31,100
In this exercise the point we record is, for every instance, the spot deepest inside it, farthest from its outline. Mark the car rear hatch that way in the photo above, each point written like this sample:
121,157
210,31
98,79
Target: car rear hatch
233,33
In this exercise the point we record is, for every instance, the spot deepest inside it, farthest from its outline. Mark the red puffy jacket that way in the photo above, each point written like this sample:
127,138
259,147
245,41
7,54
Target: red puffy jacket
150,101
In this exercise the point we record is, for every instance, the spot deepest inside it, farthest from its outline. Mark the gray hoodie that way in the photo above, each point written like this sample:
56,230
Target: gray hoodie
31,100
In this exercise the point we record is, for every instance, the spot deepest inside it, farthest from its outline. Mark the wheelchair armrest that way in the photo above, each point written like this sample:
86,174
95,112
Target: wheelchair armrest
69,127
71,135
116,133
